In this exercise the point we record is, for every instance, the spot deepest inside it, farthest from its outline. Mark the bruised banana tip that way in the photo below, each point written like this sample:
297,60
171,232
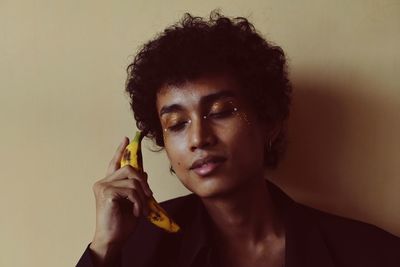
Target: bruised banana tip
159,217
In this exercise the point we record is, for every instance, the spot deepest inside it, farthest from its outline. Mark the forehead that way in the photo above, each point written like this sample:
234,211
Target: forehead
191,92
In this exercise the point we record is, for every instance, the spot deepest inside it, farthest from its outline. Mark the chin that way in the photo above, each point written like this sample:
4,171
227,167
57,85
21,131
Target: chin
213,187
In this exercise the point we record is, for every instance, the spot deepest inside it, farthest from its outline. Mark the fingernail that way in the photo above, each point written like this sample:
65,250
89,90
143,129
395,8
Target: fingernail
122,142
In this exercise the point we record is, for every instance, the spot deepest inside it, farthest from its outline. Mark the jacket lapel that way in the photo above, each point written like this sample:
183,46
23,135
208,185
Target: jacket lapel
305,246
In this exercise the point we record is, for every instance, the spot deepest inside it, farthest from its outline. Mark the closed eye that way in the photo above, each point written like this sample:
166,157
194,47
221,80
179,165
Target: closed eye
222,114
213,115
177,127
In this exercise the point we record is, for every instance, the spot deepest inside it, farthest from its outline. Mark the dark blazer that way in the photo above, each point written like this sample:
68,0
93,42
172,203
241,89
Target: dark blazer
313,239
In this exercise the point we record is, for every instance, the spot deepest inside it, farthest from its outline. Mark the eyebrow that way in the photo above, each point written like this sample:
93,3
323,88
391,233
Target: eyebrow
204,100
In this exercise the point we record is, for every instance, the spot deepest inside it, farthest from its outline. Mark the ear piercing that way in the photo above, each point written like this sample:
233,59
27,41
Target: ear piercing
269,145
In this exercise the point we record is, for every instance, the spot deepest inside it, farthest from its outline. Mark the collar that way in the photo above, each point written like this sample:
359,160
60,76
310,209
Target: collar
196,248
304,243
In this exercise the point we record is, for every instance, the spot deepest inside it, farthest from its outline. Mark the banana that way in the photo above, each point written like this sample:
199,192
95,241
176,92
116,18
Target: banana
157,215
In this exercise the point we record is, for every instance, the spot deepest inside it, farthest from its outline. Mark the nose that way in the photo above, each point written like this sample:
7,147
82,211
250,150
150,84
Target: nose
201,134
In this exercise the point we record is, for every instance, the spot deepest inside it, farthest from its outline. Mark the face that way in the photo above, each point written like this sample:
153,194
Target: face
213,139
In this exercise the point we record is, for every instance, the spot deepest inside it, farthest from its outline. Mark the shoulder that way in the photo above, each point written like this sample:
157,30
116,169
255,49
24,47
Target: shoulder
352,239
339,226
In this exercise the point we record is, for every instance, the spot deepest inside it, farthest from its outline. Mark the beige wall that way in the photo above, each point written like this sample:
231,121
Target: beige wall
63,110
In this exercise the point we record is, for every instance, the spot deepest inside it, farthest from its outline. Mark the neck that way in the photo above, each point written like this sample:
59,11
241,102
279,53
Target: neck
247,215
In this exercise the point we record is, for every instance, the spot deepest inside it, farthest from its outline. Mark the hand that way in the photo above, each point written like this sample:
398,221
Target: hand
121,197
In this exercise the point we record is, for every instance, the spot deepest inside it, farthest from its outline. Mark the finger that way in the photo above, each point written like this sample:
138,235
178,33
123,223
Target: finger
139,191
135,185
130,173
135,210
125,173
119,193
145,185
131,183
142,178
115,161
136,203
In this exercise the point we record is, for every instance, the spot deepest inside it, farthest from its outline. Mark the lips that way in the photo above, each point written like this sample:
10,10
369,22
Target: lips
206,165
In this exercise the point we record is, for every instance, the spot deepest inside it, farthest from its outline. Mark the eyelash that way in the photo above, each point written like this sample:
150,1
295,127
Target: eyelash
177,127
218,115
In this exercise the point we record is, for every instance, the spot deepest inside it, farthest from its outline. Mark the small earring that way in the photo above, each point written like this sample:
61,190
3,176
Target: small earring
270,145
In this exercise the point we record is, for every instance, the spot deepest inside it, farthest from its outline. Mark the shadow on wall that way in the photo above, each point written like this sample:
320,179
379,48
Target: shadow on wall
343,151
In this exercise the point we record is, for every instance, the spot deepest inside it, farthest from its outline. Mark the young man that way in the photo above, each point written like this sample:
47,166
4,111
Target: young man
216,96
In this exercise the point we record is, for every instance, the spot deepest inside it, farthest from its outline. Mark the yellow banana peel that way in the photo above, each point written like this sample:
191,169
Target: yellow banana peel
157,215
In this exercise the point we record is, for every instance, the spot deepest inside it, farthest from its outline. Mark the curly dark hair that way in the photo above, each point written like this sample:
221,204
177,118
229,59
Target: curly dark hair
194,47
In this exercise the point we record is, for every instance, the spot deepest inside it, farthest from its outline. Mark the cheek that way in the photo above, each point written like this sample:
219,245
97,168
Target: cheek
247,158
176,152
245,126
247,142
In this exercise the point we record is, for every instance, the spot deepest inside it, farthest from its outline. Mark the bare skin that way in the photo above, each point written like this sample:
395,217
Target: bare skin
248,230
201,119
120,200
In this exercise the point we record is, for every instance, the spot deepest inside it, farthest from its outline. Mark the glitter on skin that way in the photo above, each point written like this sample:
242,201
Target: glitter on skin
242,116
